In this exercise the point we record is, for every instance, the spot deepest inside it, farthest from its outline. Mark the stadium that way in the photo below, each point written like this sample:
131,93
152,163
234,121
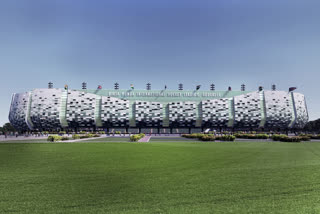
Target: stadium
157,111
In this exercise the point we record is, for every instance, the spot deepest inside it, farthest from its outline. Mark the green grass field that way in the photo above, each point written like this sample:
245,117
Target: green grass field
181,177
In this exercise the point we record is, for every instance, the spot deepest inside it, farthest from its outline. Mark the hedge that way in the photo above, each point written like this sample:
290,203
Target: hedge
137,137
252,136
194,135
285,138
54,138
226,138
75,136
210,137
207,138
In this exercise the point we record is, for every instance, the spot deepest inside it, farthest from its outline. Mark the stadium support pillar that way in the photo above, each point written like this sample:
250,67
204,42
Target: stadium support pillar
189,130
231,112
63,109
158,130
139,130
293,110
263,109
28,118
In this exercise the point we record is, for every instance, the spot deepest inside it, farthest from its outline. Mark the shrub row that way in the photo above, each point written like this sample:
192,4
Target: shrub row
136,137
285,138
310,136
209,137
86,136
226,138
55,138
252,136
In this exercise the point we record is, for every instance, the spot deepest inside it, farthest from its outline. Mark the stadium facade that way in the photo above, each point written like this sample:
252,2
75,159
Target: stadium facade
156,111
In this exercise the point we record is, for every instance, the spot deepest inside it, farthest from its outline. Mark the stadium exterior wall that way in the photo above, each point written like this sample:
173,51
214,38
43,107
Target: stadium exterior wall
57,109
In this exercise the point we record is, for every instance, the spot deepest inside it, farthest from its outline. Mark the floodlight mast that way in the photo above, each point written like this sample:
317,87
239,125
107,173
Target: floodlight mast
148,86
50,85
243,87
84,85
116,86
180,87
212,87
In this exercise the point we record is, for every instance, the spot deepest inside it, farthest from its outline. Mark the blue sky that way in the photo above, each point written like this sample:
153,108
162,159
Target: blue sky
226,42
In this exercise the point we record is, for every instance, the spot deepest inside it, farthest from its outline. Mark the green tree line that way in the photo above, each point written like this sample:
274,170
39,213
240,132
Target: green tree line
313,126
7,127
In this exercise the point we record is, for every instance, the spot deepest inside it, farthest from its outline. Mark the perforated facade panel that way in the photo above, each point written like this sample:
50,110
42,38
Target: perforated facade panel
18,111
278,109
182,114
301,110
80,109
247,110
114,112
215,112
149,114
45,107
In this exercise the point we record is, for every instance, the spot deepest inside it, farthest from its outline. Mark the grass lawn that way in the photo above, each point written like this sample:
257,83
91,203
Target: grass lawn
182,177
172,139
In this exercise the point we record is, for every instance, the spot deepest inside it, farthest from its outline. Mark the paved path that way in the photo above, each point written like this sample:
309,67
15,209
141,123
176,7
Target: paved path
145,139
9,138
83,139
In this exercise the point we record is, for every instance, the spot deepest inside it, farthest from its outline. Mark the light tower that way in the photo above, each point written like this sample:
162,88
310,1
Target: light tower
180,87
116,86
273,87
84,85
50,85
148,86
243,87
212,87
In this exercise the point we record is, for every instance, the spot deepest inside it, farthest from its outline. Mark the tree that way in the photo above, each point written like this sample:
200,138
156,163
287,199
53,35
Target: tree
313,126
8,128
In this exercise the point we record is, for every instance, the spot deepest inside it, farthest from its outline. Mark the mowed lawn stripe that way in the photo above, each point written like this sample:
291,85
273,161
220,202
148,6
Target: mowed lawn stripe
190,177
